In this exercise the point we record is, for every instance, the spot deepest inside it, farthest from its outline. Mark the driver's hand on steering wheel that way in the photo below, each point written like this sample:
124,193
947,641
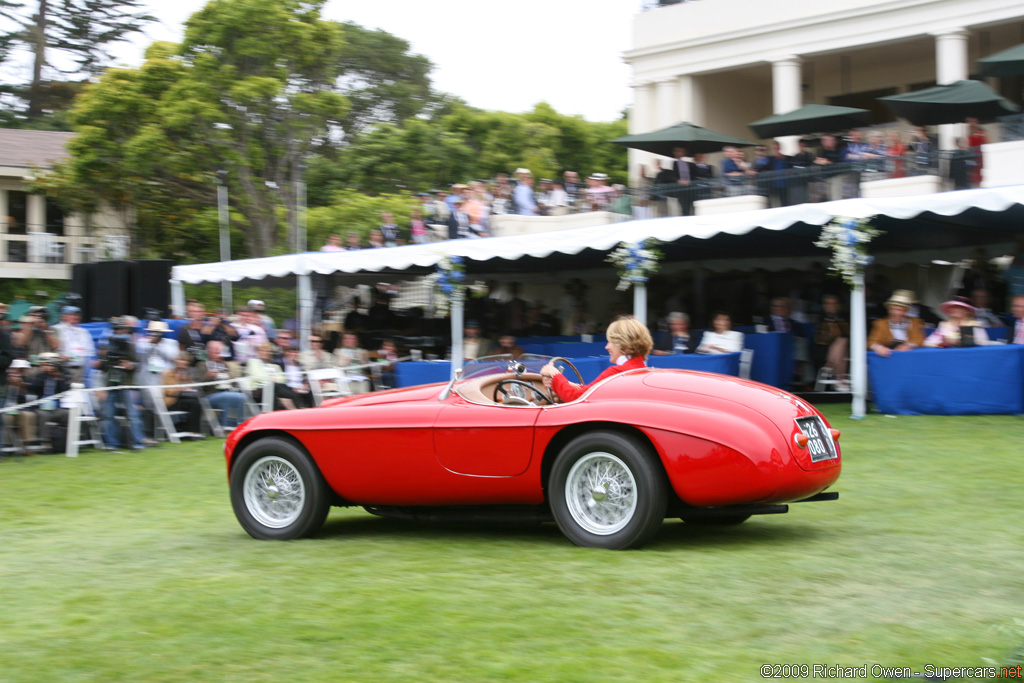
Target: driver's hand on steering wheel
547,372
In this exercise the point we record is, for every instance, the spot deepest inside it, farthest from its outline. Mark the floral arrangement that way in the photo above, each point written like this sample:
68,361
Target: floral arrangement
450,284
636,262
848,238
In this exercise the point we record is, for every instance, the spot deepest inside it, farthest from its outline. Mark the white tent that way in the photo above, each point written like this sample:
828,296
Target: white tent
917,228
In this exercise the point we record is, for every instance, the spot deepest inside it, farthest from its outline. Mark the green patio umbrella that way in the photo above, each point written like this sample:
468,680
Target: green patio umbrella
811,118
951,103
1006,63
695,139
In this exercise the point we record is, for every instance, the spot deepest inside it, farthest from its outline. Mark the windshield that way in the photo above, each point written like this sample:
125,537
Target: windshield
493,365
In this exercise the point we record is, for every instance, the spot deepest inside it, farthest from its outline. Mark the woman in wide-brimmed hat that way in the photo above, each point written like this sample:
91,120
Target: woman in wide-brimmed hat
897,332
960,328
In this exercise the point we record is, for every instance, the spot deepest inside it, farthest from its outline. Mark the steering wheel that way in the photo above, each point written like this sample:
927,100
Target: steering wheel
502,388
579,377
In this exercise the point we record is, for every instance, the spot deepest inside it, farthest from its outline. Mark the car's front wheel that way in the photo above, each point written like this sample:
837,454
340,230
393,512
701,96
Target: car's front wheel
277,492
608,490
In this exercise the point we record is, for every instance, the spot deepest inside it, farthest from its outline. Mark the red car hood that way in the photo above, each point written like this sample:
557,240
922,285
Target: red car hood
420,393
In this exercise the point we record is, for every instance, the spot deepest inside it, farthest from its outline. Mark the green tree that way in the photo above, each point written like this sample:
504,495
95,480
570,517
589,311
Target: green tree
59,31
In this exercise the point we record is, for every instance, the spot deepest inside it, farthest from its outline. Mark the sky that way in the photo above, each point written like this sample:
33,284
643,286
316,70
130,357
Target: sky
495,54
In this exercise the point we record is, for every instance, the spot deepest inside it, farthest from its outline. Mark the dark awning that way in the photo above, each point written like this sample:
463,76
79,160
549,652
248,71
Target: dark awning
694,138
951,103
1006,63
811,118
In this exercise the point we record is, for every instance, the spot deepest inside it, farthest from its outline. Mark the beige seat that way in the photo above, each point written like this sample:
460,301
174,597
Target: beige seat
481,390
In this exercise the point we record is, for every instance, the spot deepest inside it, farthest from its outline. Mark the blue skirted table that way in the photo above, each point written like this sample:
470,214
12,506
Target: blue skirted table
987,380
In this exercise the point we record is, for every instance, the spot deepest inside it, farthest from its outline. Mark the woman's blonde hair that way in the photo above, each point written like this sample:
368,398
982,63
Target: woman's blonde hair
632,338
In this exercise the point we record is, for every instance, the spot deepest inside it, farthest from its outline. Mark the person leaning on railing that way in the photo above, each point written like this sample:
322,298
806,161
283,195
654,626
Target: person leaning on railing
184,399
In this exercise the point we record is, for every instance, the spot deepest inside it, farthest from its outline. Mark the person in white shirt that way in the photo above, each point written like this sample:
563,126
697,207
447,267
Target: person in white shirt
155,353
721,338
76,344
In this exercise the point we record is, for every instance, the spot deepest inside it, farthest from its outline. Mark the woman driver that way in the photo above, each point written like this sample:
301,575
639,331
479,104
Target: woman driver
629,343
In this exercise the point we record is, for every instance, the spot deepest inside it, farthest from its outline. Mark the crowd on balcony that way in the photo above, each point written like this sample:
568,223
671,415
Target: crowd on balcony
829,168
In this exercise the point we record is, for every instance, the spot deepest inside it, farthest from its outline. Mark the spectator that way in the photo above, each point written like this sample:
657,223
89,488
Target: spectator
895,150
921,147
473,345
354,241
897,332
375,240
598,191
557,200
831,155
193,336
477,209
721,338
184,399
229,404
259,317
832,341
772,185
418,228
23,421
802,164
295,378
76,345
507,345
1017,310
682,175
333,243
284,340
876,161
351,356
387,356
221,330
316,358
119,362
156,353
388,229
677,339
522,195
665,184
982,312
975,139
572,185
261,372
458,223
779,318
960,328
735,171
51,415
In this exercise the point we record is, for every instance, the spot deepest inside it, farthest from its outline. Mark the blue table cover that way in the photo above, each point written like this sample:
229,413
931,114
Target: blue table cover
413,373
773,357
987,380
721,363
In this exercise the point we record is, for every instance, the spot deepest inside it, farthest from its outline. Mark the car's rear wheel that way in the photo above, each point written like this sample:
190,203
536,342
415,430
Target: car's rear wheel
277,492
608,490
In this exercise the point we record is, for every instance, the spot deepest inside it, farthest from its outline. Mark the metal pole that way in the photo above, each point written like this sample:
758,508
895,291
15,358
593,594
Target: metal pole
640,302
300,209
178,297
457,312
858,347
225,238
305,310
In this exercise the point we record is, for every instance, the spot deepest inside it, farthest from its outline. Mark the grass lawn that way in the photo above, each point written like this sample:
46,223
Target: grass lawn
131,567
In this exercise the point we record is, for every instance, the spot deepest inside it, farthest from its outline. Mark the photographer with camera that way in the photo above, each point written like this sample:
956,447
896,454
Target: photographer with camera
118,361
35,337
50,381
194,336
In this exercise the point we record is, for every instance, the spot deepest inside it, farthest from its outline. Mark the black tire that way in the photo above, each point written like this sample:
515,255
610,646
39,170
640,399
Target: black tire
725,520
277,492
631,477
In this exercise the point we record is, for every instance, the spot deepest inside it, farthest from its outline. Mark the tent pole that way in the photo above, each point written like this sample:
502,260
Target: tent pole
640,302
457,327
858,347
305,310
178,297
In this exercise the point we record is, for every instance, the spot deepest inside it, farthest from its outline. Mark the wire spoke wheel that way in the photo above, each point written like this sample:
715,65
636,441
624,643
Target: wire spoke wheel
601,493
274,492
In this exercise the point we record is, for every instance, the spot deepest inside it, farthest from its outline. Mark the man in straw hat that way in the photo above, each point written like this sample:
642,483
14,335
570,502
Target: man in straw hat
897,332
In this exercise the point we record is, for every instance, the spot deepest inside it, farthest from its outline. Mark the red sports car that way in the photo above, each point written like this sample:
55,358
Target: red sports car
608,467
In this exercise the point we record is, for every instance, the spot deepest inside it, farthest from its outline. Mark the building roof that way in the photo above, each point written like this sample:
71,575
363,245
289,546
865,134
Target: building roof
27,148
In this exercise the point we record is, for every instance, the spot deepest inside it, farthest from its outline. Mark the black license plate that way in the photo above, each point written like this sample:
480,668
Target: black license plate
819,438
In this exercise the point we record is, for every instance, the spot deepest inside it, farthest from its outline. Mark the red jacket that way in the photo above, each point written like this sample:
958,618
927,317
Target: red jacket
567,391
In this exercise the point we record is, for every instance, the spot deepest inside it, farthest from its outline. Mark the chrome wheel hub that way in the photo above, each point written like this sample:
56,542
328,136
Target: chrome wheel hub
600,493
273,492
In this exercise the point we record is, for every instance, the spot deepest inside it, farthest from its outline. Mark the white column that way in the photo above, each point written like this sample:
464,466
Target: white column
640,116
305,310
640,302
951,65
457,313
690,96
178,297
667,112
787,94
858,348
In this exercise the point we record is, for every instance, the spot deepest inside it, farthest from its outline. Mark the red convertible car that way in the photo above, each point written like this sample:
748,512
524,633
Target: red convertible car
608,467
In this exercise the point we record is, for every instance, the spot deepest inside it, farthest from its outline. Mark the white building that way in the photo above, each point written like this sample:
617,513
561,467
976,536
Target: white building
38,239
724,63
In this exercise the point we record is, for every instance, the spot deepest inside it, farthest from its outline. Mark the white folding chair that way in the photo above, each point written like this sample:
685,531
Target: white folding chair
746,360
321,375
165,417
80,412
